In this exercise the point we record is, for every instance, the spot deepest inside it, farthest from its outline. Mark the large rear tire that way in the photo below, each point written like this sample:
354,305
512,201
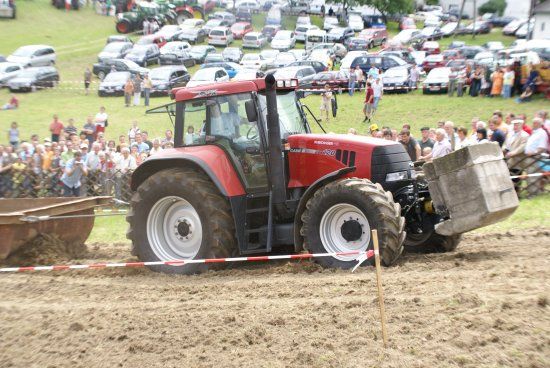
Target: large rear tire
123,26
340,216
180,214
431,243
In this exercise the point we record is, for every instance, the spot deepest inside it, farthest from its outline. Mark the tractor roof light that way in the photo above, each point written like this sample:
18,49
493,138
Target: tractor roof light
287,83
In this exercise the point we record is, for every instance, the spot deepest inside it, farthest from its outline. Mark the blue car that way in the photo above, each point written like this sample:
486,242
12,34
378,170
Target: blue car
230,68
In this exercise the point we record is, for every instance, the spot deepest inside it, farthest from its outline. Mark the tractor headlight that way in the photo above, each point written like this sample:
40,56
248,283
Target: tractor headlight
397,176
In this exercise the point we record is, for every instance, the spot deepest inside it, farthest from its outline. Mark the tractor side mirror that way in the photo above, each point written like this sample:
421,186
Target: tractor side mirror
251,113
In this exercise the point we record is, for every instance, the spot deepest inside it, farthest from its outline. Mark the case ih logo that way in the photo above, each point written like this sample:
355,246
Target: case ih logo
207,93
326,143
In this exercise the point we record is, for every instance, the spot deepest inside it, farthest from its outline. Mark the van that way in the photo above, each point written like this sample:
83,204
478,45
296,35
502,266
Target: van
220,36
273,16
254,40
315,37
33,55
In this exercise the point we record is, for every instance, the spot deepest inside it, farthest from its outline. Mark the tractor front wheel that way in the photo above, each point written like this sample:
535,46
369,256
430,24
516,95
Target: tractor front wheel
180,214
339,219
123,26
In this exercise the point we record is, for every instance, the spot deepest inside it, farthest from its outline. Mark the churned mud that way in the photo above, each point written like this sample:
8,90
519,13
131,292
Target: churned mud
485,305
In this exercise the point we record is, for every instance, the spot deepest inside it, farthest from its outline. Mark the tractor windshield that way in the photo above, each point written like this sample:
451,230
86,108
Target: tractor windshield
290,118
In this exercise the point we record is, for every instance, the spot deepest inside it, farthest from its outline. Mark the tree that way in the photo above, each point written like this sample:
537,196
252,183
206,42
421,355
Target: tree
493,6
386,7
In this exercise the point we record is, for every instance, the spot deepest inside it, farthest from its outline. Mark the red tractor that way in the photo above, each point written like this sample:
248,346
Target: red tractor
255,179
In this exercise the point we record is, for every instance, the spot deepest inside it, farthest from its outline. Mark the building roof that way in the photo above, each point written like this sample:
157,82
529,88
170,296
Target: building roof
542,8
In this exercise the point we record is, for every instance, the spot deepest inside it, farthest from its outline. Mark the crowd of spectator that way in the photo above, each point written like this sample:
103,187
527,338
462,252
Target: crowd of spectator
75,161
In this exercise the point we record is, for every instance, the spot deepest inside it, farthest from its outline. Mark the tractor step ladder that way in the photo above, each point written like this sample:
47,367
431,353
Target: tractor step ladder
257,214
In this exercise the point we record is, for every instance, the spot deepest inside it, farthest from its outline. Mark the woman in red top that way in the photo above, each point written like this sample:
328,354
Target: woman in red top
369,99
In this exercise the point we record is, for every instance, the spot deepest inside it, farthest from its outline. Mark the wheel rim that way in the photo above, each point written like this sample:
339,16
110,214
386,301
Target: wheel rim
182,17
174,229
122,27
344,228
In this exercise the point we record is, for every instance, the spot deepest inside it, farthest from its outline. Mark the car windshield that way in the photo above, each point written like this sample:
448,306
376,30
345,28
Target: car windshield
116,77
282,35
290,118
203,75
160,74
250,37
114,47
239,27
395,72
24,51
217,32
358,40
251,57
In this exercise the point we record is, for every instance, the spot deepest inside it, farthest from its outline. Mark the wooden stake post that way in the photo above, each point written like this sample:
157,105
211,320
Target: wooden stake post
379,286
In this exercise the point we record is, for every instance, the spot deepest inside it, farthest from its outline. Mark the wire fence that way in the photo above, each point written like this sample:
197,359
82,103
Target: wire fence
32,183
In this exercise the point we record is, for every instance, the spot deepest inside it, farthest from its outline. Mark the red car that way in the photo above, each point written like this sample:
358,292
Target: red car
431,47
335,79
239,29
433,61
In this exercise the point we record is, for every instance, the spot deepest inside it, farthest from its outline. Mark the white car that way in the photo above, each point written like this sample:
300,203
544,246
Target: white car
283,40
437,80
405,35
348,59
432,21
485,58
246,74
8,71
220,36
254,40
190,23
301,31
252,61
321,55
252,6
330,22
33,55
355,22
449,28
317,7
168,31
208,76
494,46
303,21
269,55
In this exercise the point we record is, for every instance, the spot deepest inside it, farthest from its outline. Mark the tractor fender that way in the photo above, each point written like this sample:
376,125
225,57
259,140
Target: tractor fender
224,177
322,181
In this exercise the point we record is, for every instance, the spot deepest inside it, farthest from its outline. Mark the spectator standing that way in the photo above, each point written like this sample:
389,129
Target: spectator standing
168,137
369,99
68,154
537,143
515,144
453,75
72,175
89,129
145,137
137,89
452,137
101,121
497,78
56,128
140,144
156,147
460,82
378,91
425,141
70,129
128,92
133,131
463,140
147,87
13,135
475,84
373,73
508,82
517,79
326,97
351,82
360,76
441,147
411,146
87,80
415,76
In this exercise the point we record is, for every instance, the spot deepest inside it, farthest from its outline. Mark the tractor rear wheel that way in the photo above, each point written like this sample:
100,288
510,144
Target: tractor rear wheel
182,16
431,243
123,26
340,216
180,214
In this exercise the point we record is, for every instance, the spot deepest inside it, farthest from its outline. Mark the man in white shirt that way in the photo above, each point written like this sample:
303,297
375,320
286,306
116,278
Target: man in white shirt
515,145
441,147
452,136
100,120
537,144
125,164
378,89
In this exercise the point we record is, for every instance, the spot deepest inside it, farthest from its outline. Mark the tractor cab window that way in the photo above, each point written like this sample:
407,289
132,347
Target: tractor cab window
290,118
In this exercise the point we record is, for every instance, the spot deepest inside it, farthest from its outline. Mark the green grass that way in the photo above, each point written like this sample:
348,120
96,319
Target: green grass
109,230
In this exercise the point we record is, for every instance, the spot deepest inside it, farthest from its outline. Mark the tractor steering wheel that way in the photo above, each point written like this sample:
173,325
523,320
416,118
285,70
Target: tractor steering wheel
254,130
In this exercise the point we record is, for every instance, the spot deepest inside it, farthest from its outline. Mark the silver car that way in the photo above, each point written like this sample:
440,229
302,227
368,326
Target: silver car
8,71
254,40
33,55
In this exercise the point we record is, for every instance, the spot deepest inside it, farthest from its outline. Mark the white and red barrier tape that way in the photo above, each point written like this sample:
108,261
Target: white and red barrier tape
361,257
546,173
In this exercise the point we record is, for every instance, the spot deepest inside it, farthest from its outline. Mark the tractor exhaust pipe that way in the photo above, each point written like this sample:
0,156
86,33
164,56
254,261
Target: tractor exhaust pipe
276,159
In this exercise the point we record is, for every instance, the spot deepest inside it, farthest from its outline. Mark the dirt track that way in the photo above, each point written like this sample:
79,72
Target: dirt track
485,305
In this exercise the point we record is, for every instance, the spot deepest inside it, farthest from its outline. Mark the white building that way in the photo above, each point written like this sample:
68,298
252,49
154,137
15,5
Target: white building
541,14
514,8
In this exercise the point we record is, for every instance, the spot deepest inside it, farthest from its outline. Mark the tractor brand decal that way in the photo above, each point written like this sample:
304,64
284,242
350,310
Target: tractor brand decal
207,93
325,143
325,152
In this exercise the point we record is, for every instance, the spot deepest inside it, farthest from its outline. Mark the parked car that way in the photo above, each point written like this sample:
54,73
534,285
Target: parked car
208,76
449,29
117,65
345,63
192,35
469,52
340,34
269,54
437,81
248,74
357,43
457,64
456,45
274,16
254,40
293,72
34,78
214,57
501,21
329,23
527,27
144,55
485,58
199,53
270,31
220,36
281,60
300,54
382,62
223,15
355,22
213,23
252,6
192,23
407,23
478,27
118,38
239,29
303,20
231,68
168,31
373,21
33,55
243,15
396,79
152,40
8,9
316,65
321,55
252,61
433,61
432,33
511,28
301,30
335,80
431,47
113,84
176,53
405,36
432,21
8,71
233,54
375,36
451,54
404,54
493,46
114,50
337,49
283,40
